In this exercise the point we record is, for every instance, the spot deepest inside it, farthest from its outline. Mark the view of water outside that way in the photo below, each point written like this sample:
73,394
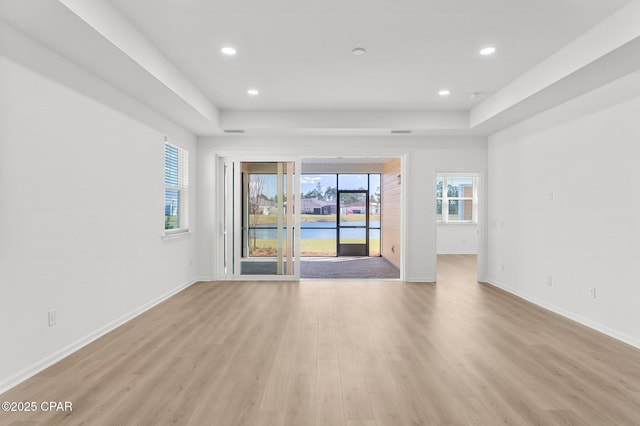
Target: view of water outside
319,222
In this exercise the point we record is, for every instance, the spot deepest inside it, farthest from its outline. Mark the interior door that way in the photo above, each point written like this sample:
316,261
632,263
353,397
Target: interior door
353,223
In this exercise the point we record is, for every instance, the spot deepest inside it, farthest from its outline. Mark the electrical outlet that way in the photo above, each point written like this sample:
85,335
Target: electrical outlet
53,317
549,280
592,292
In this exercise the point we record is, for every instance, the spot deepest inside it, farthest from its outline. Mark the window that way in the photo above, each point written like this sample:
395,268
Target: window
322,195
176,192
457,198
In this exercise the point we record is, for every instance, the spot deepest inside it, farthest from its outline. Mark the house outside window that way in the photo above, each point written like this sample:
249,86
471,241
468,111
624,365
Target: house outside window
457,198
176,193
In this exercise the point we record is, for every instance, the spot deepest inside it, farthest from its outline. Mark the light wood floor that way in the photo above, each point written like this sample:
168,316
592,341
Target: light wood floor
344,353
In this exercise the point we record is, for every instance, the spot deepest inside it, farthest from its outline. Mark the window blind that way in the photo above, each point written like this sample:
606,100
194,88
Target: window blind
176,180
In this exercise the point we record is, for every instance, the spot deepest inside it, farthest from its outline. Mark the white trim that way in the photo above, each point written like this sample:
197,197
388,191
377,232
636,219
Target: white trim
482,209
84,341
404,215
176,235
458,222
457,252
430,280
569,315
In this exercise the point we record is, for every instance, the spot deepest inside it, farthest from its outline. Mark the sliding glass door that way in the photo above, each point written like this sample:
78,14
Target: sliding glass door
259,219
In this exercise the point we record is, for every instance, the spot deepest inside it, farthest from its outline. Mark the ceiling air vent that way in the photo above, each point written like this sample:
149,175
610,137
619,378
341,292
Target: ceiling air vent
233,131
401,132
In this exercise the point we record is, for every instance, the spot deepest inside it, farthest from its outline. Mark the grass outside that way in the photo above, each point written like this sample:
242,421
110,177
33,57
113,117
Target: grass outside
170,222
313,247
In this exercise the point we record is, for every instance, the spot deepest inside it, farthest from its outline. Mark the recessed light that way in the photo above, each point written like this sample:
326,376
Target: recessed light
490,50
253,92
444,92
228,50
359,51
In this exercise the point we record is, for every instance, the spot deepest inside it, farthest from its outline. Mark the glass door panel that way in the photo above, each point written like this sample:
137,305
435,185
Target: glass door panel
353,236
318,222
265,208
353,222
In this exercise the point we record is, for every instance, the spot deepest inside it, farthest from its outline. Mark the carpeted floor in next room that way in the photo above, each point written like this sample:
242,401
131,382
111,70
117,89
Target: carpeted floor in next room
348,267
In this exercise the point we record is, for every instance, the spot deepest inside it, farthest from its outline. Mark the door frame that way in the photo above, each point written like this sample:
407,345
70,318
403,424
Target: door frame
339,226
229,212
213,198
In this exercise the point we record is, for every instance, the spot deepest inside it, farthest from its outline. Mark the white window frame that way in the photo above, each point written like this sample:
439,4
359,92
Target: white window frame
445,198
183,192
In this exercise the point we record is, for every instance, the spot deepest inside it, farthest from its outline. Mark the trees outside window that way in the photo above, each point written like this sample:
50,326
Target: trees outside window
458,203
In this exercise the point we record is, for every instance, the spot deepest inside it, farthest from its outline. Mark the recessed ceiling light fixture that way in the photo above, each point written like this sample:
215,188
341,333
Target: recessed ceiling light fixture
228,50
444,92
359,51
253,92
489,50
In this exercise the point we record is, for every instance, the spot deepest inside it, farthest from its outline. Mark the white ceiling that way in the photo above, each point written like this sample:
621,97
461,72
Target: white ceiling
345,160
298,52
166,54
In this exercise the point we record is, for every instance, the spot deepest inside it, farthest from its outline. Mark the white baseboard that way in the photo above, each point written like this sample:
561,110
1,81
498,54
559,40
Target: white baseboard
570,315
421,280
37,367
457,252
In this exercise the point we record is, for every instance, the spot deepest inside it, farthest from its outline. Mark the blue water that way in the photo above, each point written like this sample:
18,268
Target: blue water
317,231
372,224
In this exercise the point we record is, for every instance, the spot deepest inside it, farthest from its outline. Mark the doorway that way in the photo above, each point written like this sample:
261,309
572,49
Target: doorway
280,221
345,204
259,215
353,231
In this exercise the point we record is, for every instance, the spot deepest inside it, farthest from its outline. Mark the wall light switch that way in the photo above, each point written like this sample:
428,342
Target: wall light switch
53,317
550,194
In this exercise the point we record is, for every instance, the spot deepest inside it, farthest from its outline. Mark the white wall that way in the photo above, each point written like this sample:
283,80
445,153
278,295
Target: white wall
457,238
81,215
588,235
424,156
